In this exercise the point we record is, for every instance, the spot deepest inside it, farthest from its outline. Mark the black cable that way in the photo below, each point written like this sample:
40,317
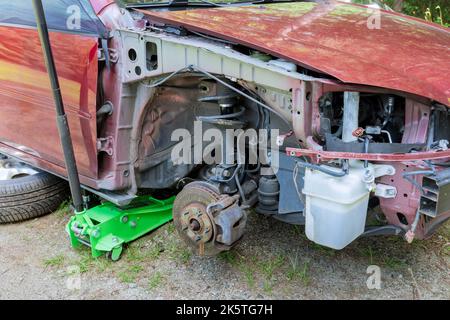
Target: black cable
408,176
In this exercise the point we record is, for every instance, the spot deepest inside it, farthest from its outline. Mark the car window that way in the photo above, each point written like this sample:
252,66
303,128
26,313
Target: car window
62,15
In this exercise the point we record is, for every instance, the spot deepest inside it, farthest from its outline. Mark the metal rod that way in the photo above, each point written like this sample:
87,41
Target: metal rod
63,126
351,112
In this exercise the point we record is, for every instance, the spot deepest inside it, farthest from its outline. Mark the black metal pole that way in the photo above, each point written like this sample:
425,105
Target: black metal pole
63,125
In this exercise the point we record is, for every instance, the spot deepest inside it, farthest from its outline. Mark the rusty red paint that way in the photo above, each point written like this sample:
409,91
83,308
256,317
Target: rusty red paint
319,155
405,54
407,200
417,119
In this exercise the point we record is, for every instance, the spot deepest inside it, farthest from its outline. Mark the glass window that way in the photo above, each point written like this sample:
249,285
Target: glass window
62,15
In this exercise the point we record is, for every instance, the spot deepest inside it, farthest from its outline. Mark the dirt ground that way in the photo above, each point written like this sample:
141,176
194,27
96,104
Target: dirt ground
273,261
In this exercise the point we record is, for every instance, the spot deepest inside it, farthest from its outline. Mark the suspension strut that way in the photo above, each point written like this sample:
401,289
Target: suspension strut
63,125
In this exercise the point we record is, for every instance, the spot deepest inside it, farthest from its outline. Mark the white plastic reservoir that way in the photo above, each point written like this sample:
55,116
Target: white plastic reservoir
336,208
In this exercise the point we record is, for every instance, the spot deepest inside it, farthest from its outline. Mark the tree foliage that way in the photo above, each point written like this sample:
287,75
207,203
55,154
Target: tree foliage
432,10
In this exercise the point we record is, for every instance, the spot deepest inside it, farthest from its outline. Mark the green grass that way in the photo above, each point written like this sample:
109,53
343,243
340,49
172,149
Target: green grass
135,253
56,261
446,249
154,252
246,265
268,267
130,274
297,230
267,287
298,271
303,275
155,281
394,263
368,252
101,264
230,257
178,252
323,250
171,228
86,262
63,209
249,275
390,259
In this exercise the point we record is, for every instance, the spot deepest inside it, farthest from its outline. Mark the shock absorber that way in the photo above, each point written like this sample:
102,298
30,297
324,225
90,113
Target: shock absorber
230,113
268,194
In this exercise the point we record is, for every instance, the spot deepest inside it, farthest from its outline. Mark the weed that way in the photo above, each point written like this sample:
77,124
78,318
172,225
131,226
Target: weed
101,264
394,263
368,252
267,287
247,269
170,228
179,252
303,275
297,271
56,261
84,264
229,257
293,267
268,267
63,209
184,255
249,276
135,253
297,230
155,281
154,252
324,250
130,274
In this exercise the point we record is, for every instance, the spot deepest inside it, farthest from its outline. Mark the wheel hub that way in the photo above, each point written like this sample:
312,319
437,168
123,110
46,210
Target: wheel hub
209,222
12,169
195,226
196,223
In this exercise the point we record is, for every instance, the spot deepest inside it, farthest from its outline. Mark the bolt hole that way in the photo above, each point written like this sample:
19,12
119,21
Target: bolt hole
308,96
132,54
195,225
138,71
401,217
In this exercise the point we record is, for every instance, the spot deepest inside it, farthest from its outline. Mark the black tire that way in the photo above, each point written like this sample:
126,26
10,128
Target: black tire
31,197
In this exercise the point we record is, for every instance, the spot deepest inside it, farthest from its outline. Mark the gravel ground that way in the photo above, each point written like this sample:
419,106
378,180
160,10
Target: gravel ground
273,261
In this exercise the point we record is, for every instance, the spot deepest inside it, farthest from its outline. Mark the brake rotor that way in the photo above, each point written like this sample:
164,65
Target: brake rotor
192,221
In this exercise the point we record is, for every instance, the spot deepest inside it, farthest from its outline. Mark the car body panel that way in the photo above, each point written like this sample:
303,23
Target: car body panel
28,120
404,54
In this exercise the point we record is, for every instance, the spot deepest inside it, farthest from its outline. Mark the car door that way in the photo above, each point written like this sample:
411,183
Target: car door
27,112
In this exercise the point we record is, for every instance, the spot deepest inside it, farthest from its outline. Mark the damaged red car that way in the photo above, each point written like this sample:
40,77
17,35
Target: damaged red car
315,113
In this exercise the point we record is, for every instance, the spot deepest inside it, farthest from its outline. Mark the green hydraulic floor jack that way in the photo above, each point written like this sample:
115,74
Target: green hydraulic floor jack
105,228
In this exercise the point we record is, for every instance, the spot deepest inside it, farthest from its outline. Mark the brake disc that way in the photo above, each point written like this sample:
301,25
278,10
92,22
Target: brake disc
194,224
